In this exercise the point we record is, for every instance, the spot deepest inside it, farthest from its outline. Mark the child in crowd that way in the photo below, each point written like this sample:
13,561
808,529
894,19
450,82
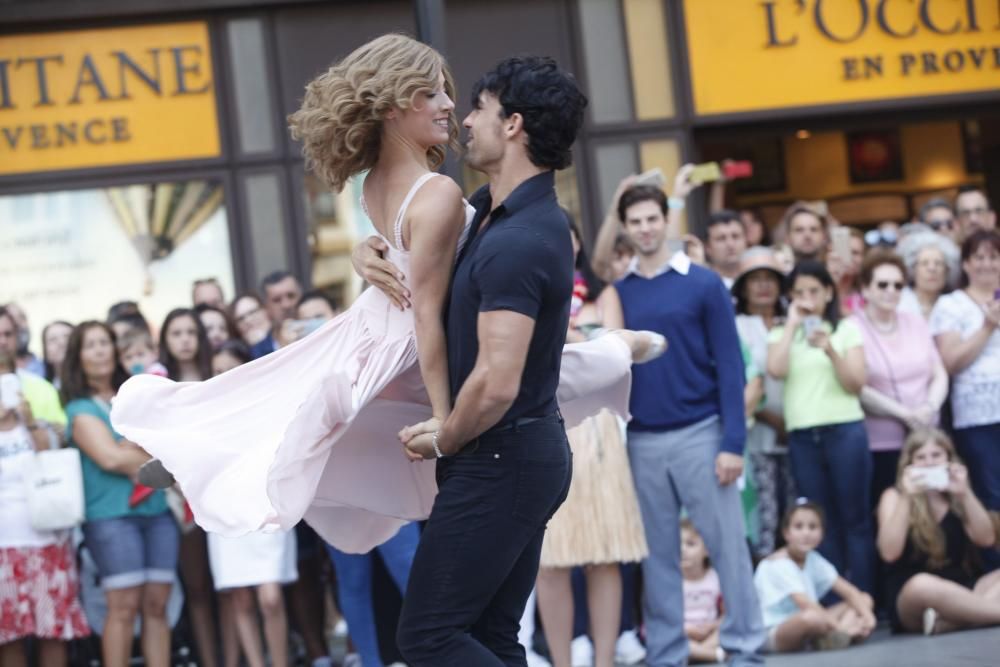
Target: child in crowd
702,598
791,582
138,354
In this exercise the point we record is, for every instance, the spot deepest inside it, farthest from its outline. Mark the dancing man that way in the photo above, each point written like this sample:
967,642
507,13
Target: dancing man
504,462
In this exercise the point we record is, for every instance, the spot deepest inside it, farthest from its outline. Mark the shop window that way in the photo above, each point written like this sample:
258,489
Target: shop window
336,222
70,255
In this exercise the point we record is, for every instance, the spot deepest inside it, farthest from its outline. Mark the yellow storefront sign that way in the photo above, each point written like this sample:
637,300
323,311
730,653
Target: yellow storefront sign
749,55
95,98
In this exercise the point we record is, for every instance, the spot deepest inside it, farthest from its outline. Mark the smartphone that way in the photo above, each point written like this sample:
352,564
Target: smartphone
811,323
10,390
840,240
737,169
705,172
934,477
652,177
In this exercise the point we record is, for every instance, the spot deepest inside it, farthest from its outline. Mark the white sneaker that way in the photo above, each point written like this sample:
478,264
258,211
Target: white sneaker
535,660
351,660
581,652
930,620
628,649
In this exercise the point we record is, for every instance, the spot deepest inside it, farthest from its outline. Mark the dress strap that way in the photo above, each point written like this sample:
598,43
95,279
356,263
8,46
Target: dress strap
398,227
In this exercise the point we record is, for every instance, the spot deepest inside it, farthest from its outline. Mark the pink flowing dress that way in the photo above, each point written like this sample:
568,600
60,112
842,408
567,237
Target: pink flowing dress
310,431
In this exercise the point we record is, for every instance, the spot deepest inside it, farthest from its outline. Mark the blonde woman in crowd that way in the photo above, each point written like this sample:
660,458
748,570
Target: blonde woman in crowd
930,525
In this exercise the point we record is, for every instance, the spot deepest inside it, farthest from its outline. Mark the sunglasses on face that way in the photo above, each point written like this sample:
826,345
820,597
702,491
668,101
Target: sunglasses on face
886,284
942,224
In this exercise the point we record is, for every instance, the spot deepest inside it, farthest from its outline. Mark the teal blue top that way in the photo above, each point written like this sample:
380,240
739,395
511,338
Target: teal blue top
107,493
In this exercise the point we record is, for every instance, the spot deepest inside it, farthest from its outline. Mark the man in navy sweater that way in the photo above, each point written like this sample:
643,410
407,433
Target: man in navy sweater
686,437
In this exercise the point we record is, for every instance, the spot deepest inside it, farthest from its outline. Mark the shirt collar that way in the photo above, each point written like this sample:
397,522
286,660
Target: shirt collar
679,262
527,192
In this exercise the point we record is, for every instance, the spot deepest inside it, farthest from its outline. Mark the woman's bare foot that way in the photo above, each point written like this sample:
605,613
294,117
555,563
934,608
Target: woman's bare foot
645,345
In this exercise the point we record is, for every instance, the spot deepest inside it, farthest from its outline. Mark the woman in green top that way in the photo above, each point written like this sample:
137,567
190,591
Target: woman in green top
133,539
820,358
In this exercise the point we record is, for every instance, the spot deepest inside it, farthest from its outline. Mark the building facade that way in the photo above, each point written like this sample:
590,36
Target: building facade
143,143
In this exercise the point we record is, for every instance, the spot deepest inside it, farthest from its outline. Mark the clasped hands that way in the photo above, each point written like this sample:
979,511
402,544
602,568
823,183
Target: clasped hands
418,440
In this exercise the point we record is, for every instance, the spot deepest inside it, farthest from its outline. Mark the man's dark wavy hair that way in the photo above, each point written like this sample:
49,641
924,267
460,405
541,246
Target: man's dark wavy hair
548,99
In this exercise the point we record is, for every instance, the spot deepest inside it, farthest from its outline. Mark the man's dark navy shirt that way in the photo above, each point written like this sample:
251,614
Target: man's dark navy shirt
522,261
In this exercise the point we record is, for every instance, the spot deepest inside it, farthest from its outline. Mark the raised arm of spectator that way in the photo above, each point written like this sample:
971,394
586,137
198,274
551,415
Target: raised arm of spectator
717,194
958,354
894,521
604,245
682,188
96,441
779,353
977,522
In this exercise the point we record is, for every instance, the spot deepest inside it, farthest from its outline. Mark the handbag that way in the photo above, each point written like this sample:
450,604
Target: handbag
55,489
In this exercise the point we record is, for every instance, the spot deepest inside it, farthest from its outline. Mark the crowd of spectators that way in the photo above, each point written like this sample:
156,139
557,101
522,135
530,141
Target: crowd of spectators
827,413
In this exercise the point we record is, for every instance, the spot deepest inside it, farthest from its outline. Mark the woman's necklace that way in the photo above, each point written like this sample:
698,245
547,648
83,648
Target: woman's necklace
880,326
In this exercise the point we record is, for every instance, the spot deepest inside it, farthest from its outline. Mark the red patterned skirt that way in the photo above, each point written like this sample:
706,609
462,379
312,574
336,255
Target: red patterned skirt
40,594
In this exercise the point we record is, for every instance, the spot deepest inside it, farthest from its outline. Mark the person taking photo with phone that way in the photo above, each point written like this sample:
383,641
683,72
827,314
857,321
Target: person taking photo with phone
964,324
821,360
930,524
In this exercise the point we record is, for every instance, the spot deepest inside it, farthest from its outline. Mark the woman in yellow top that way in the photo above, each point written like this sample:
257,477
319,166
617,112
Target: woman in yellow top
820,358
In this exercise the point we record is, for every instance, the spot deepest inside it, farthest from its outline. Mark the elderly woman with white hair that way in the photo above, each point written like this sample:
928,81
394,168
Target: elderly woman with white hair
932,261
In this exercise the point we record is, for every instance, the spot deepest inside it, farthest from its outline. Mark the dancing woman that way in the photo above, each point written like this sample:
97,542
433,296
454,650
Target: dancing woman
312,430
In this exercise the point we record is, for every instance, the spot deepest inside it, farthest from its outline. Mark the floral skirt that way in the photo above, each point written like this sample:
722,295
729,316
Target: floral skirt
40,594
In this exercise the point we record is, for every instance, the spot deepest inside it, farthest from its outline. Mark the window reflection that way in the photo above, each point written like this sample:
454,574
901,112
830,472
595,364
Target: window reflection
71,254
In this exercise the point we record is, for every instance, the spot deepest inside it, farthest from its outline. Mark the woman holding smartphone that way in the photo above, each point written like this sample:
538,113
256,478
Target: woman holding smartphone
821,360
930,524
964,324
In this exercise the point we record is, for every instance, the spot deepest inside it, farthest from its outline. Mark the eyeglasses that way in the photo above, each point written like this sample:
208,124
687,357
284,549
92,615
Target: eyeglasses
930,263
886,284
942,224
247,315
969,212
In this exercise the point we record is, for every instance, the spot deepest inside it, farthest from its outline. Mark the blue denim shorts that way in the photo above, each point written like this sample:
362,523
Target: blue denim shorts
133,550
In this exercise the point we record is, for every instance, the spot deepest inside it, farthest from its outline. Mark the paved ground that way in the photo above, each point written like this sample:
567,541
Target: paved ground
974,648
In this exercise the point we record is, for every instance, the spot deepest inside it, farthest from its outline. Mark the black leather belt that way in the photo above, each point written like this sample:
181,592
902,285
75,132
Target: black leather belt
515,424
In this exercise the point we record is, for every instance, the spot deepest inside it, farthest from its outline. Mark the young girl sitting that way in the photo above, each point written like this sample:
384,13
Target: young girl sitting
702,598
930,528
791,581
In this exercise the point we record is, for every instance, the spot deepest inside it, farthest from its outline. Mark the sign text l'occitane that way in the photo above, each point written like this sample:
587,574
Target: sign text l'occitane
102,97
750,55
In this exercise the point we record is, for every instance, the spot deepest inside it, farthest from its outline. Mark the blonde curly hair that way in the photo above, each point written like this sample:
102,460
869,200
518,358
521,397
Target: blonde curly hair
340,121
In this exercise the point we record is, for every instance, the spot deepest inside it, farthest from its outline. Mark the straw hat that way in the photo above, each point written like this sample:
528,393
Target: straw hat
757,258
